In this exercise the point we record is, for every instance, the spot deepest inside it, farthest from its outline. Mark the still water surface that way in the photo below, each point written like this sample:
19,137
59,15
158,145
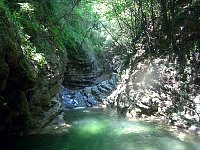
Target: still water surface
101,129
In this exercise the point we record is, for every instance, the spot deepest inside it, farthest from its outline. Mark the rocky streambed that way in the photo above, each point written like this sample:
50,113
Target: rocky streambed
90,96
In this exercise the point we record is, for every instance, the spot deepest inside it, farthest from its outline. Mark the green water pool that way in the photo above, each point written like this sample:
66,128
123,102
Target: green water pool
101,129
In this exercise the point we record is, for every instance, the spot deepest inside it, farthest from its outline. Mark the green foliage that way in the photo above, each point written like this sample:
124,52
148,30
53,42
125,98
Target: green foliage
78,22
55,27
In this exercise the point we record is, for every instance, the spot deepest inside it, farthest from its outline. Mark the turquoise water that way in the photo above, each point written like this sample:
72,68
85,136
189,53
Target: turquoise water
101,129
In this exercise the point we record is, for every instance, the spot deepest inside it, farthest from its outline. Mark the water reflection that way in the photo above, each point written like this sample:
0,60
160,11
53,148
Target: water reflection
95,129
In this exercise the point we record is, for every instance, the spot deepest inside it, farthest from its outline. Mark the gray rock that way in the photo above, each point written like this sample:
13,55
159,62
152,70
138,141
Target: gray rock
194,129
92,100
86,97
107,85
102,89
197,103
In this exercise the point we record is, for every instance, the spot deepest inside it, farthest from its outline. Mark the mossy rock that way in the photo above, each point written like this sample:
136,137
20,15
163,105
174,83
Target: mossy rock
41,98
22,76
11,52
26,67
54,90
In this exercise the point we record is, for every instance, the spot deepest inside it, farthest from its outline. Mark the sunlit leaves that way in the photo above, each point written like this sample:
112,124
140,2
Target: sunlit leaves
26,7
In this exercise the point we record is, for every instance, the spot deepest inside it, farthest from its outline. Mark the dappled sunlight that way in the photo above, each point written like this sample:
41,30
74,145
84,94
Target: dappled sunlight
63,125
123,128
133,129
56,129
30,51
89,126
173,144
86,111
39,57
26,7
101,9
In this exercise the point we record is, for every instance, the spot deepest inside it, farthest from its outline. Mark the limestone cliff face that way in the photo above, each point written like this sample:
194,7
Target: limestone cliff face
80,74
27,84
161,81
